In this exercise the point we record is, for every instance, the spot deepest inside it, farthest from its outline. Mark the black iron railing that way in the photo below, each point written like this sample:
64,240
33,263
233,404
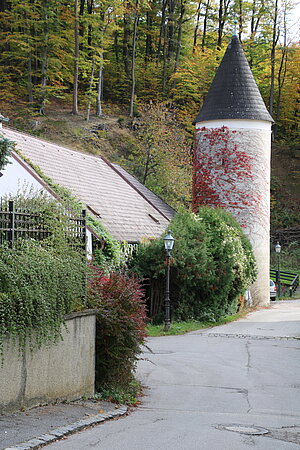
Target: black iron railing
23,222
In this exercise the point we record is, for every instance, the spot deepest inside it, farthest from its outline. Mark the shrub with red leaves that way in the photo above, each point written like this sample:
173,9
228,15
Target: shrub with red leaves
120,327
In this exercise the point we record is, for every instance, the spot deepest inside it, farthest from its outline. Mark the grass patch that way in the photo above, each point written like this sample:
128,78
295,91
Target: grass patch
193,325
119,395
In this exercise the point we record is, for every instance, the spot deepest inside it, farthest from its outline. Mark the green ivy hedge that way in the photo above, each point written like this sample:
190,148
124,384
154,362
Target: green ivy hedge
38,286
41,281
212,264
6,147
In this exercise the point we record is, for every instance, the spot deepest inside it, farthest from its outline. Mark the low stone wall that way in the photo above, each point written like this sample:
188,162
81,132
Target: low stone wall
62,371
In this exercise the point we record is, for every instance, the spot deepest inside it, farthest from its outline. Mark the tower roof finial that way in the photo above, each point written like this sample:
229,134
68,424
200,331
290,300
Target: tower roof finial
234,28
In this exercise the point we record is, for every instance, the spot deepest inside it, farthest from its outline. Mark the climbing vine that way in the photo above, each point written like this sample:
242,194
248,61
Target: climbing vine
6,147
223,174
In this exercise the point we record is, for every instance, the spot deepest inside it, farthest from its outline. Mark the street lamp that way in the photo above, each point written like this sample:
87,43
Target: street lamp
278,250
169,242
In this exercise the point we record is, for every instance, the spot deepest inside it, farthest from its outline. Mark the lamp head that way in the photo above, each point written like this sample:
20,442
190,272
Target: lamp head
277,248
169,242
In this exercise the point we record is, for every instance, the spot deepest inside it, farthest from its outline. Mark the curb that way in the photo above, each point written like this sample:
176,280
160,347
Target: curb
67,430
247,336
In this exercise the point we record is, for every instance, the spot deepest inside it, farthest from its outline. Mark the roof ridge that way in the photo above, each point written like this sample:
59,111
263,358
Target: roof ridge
145,187
58,145
134,187
47,141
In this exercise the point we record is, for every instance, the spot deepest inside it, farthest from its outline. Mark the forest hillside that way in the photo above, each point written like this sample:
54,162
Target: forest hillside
126,80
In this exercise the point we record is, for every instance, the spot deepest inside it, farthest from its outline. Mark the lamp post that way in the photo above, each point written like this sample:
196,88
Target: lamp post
278,250
169,242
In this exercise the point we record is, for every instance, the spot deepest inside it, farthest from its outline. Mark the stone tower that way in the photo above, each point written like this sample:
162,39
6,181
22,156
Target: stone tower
232,156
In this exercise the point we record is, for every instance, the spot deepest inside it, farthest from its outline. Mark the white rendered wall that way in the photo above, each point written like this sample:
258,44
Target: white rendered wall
254,139
236,124
16,179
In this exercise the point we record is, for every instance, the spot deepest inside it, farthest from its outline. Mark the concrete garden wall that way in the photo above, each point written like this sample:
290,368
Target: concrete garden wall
62,371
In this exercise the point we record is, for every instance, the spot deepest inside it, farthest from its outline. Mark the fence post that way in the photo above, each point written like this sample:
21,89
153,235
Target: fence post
84,245
11,224
83,213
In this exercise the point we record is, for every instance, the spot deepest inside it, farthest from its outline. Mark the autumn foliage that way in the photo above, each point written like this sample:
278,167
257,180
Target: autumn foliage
120,326
223,174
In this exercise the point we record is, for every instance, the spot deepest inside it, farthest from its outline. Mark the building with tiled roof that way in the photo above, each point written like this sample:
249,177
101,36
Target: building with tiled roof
126,209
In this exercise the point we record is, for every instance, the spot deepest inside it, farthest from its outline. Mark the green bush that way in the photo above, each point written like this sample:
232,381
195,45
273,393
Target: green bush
120,327
6,147
212,264
38,286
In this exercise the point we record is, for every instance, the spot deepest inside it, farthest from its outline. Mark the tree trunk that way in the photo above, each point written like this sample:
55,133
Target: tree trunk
29,78
76,57
81,29
281,79
82,4
222,17
240,21
180,22
126,34
282,68
220,23
164,75
99,112
162,28
136,19
272,58
116,45
148,38
90,91
90,11
253,29
171,29
4,5
197,25
29,62
44,58
147,164
205,24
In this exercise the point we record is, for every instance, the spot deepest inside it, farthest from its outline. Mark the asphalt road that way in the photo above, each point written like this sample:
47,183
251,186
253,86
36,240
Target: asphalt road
215,389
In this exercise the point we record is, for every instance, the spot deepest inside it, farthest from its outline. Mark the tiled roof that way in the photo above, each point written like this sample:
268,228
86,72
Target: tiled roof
233,93
152,198
122,209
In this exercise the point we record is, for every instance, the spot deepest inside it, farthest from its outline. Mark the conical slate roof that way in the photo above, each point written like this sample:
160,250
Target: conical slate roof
233,93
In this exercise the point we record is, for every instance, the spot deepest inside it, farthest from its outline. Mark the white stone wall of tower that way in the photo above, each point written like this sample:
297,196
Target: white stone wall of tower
254,139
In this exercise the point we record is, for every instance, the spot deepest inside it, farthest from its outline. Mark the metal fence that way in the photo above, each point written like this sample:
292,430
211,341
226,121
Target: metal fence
19,221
